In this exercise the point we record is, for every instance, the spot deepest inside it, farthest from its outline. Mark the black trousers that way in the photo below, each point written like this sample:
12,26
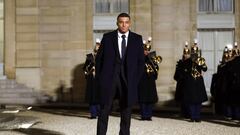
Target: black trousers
119,90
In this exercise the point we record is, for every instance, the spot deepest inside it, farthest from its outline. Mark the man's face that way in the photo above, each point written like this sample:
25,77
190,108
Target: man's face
146,52
186,56
123,24
96,48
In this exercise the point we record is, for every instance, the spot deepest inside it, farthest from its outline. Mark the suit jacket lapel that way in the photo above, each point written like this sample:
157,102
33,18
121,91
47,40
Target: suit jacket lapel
115,43
129,42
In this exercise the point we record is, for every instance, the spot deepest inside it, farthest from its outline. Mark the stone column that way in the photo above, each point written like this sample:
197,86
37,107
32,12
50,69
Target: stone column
172,24
237,21
10,41
65,35
141,14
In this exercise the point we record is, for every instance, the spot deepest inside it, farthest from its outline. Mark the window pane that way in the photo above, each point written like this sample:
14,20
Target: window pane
225,5
212,43
116,5
205,5
102,6
224,38
111,6
124,6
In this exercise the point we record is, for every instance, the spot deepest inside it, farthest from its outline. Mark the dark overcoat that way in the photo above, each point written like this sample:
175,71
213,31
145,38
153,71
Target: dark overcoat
147,86
219,85
179,77
192,89
220,91
107,59
91,93
233,92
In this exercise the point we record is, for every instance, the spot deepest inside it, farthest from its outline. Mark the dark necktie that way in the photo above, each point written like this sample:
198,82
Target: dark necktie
123,45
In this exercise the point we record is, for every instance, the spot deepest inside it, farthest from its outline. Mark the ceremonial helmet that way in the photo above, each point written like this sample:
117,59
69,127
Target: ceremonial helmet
225,56
195,52
235,51
230,50
186,50
194,47
147,45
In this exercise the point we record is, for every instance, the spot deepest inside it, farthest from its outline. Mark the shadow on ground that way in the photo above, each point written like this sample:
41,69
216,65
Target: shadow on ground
37,131
206,116
66,112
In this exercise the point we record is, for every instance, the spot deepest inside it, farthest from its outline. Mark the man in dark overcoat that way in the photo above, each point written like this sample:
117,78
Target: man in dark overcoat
119,66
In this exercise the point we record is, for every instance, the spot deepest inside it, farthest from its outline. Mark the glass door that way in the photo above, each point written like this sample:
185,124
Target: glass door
212,43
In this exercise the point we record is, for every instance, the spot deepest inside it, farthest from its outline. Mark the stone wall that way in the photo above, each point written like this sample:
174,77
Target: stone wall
46,40
53,36
52,39
170,23
63,34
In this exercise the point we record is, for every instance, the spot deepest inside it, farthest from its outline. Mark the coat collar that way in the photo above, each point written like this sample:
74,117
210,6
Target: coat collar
115,43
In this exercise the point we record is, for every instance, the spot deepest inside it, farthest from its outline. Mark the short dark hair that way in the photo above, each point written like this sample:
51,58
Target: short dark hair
123,15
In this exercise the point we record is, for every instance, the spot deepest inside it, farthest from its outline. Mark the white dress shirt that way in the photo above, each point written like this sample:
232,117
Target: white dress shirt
120,41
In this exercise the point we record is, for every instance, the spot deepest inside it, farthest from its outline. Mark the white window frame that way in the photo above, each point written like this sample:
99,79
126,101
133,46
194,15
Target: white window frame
217,52
216,8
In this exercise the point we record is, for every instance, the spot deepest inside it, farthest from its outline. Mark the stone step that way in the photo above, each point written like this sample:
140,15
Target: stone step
17,95
19,101
8,81
12,92
11,84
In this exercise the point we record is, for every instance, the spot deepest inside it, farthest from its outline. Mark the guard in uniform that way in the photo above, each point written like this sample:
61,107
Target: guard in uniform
234,85
147,86
193,88
92,95
179,76
218,84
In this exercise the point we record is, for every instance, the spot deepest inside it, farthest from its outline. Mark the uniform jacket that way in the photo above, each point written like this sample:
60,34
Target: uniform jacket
92,94
219,84
190,90
147,86
233,81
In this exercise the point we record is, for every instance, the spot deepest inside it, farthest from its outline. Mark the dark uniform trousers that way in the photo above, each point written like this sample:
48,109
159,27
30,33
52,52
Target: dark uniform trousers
119,91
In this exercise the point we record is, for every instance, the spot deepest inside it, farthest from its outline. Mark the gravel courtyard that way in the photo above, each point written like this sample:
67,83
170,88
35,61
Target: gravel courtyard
77,122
